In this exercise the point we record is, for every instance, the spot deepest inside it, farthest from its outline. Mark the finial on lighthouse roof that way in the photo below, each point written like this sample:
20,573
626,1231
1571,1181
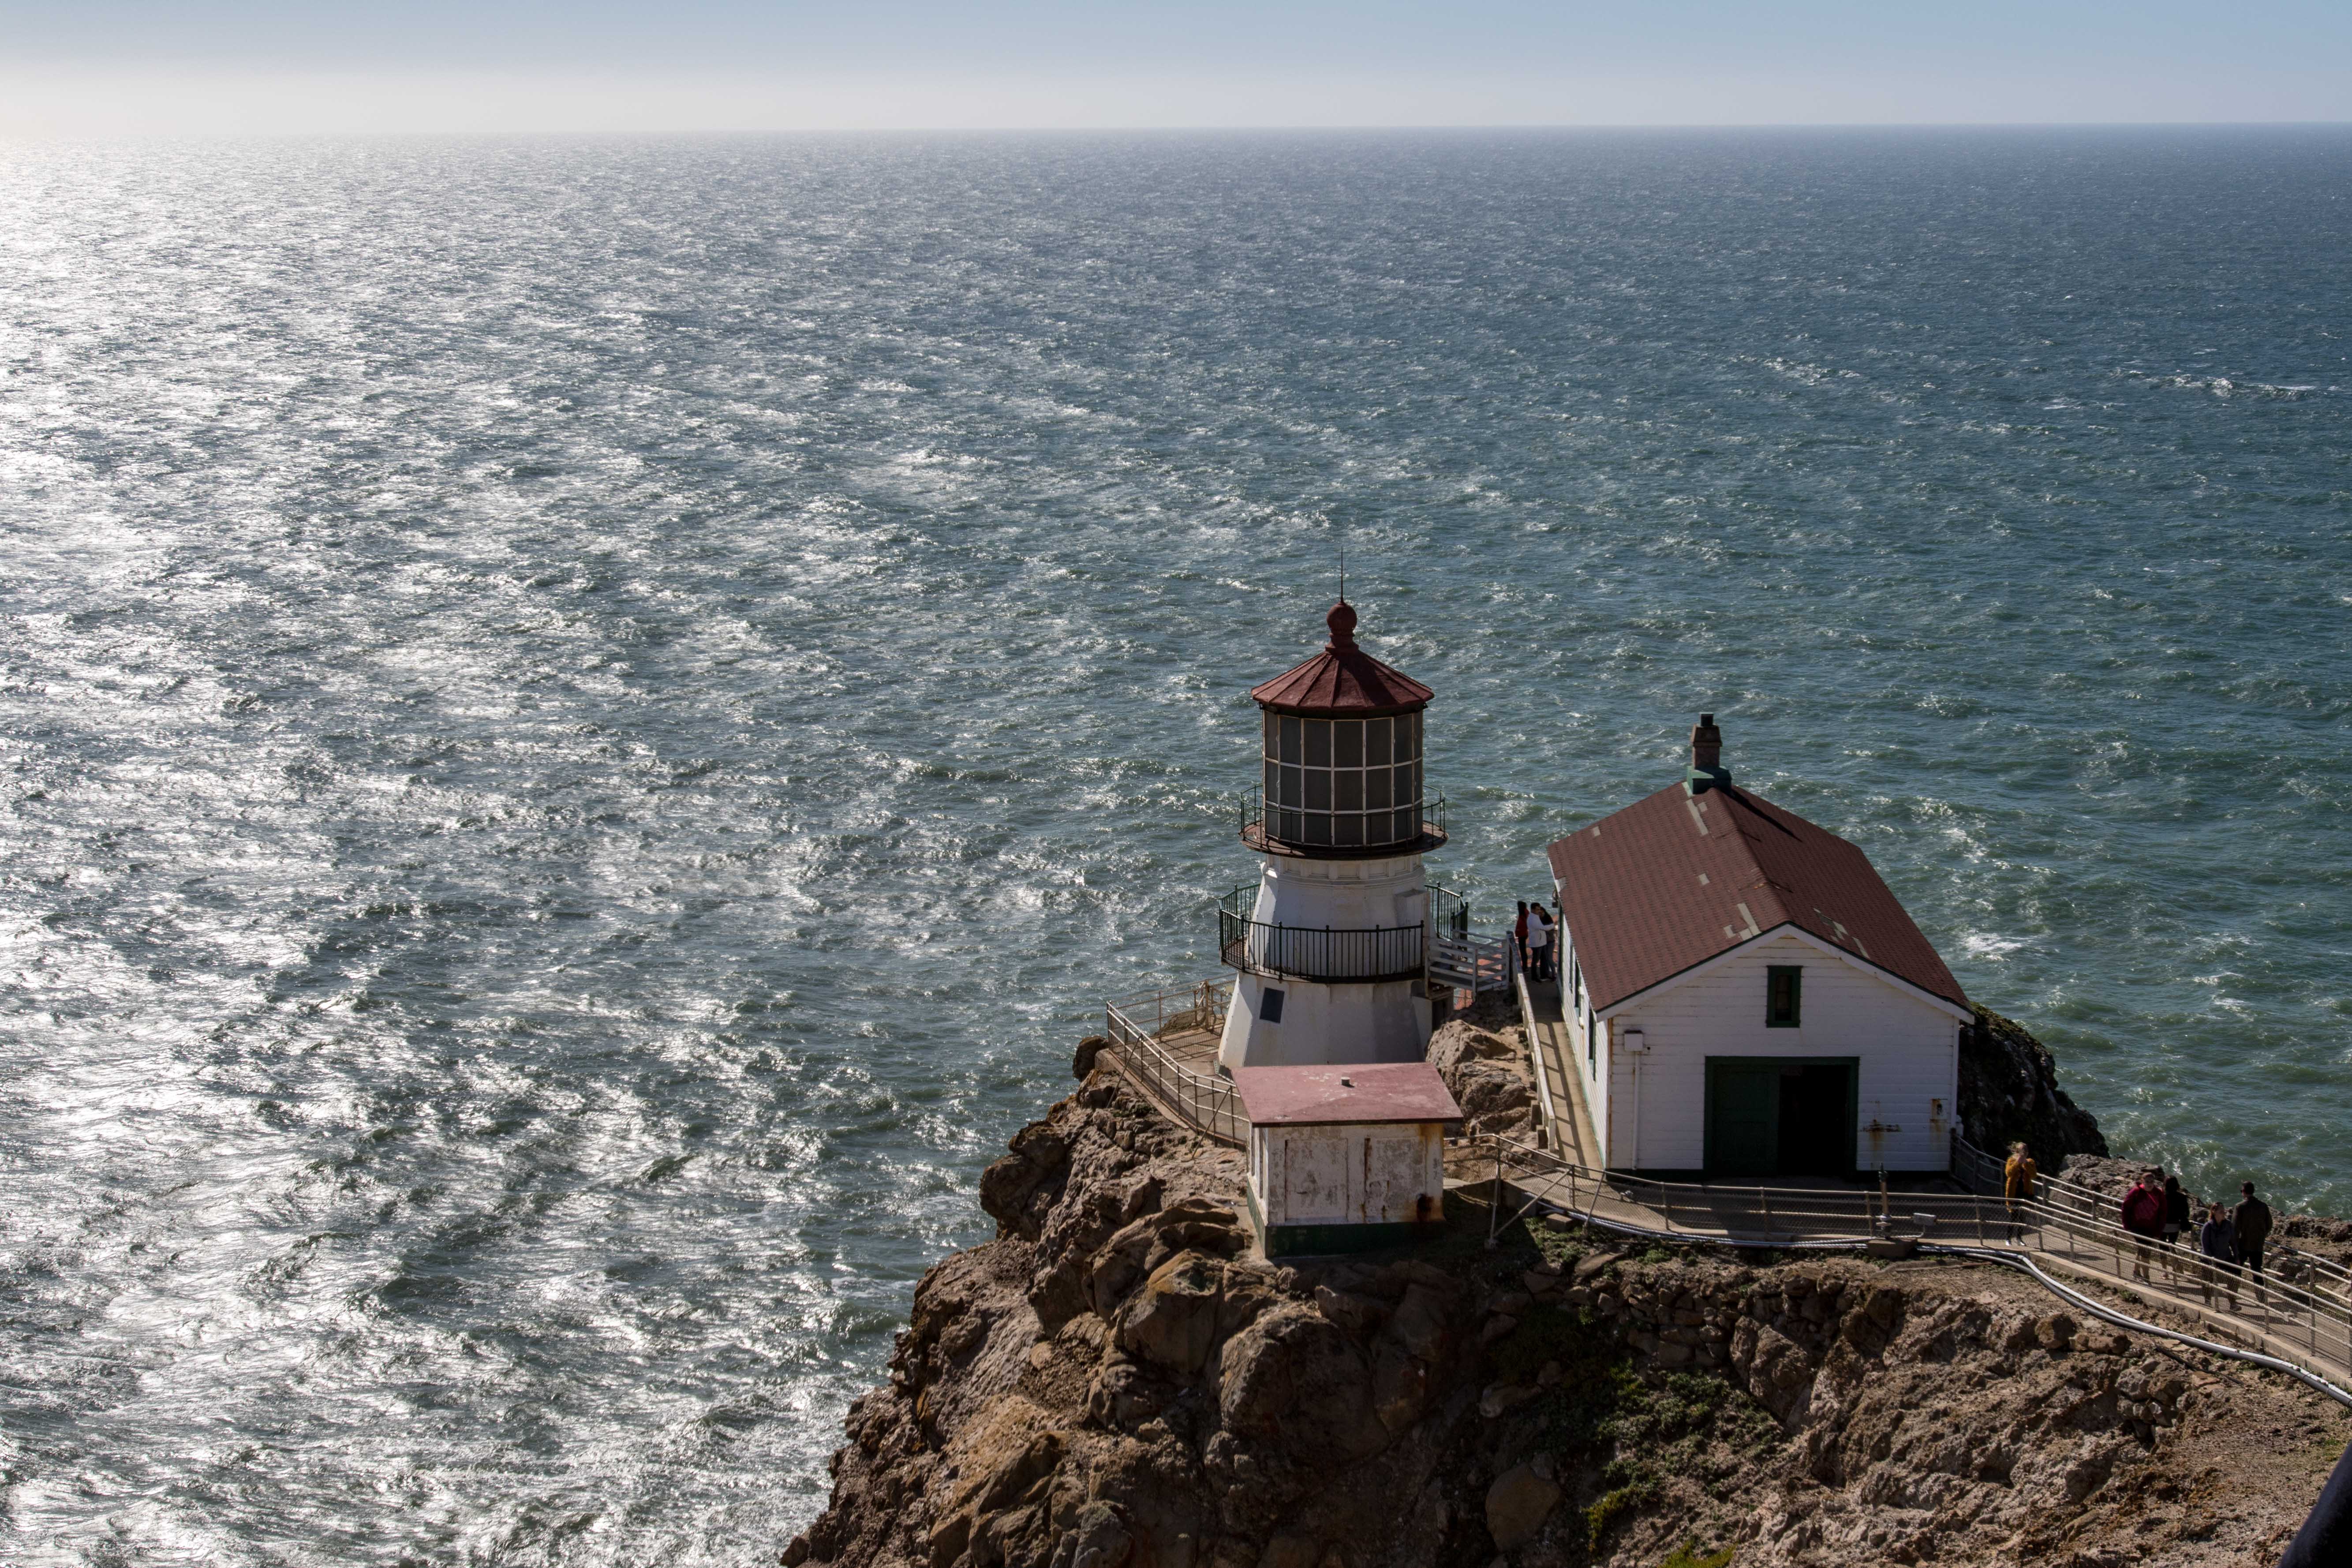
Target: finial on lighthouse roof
1343,681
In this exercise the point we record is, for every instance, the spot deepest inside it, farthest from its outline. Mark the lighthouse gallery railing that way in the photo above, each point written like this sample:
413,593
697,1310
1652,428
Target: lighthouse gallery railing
1317,952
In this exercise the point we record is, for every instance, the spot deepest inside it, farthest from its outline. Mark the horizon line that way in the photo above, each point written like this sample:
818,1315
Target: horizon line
1204,128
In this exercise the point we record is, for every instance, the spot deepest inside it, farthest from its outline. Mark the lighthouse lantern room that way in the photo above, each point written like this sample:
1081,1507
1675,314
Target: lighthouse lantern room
1332,949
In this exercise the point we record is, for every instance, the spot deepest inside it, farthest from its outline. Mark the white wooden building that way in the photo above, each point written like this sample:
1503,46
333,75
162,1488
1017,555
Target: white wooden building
1345,1158
1745,996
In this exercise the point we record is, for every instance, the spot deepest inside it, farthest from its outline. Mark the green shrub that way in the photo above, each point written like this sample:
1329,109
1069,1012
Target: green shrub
1637,1493
1686,1555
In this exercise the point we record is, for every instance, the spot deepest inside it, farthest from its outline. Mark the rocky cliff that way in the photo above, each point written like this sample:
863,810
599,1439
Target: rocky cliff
1112,1382
2008,1093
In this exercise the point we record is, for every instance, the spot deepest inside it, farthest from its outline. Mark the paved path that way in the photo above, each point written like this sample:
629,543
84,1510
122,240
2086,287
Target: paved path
1567,1121
2295,1326
1836,1212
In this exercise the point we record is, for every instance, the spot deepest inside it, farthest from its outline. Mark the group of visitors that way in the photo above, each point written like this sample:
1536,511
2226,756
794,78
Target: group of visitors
1533,935
2160,1212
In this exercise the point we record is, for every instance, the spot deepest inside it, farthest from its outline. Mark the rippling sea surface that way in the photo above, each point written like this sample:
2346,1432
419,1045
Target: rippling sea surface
583,725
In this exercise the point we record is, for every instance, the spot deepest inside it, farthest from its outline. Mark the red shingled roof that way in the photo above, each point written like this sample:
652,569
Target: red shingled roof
1647,894
1343,681
1355,1092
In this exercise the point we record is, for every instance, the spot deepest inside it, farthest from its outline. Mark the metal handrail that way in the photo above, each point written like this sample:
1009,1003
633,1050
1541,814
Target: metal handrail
1310,952
1449,914
1985,1171
1210,1105
2300,1322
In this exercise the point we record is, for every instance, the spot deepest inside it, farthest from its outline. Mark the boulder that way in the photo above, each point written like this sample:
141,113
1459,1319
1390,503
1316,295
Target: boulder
1011,1189
1400,1385
1295,1376
1494,1096
1422,1323
1140,1247
1097,1538
1171,1322
1517,1503
1291,1552
1461,1041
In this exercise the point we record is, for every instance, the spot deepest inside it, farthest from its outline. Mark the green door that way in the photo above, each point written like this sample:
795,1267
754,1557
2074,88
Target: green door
1743,1116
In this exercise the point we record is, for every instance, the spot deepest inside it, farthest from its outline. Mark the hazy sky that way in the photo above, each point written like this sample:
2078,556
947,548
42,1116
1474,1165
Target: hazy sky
74,65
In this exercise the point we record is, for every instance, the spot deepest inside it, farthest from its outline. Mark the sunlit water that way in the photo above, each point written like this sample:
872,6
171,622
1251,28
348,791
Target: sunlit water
585,725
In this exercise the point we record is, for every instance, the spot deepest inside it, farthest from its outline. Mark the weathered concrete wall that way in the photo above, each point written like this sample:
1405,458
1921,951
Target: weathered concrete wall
1391,1175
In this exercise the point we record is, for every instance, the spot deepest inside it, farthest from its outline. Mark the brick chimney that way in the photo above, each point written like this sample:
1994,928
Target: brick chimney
1706,769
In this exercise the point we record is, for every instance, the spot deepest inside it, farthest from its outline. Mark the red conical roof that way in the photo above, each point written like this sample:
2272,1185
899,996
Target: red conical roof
1343,681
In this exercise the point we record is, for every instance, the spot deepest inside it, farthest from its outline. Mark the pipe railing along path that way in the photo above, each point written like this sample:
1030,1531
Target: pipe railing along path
2309,1330
2304,1323
1138,1027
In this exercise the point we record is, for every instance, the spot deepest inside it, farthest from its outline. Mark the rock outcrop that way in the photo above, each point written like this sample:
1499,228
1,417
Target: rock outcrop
2008,1092
1486,1071
1114,1382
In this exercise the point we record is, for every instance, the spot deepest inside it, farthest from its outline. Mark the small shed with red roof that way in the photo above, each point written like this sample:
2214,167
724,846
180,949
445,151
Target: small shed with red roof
1745,996
1345,1158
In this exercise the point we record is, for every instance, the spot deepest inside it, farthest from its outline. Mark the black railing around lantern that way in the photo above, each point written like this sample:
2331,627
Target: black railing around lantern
1325,954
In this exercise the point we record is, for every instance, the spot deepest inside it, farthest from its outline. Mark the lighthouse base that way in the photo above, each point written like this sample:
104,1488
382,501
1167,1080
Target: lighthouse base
1315,1025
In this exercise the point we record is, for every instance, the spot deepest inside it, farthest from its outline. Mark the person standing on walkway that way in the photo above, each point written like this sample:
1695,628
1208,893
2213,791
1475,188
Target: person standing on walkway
1539,942
2017,1188
2252,1219
2143,1216
2176,1219
1519,935
2218,1240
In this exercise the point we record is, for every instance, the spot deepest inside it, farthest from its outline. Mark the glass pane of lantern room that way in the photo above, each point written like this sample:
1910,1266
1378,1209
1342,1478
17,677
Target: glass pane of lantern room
1274,736
1289,738
1348,743
1318,790
1379,736
1407,737
1376,789
1318,742
1347,791
1273,783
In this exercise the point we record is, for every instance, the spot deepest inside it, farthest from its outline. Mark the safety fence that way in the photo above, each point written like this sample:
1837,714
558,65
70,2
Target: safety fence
1982,1171
1138,1028
1325,954
2311,1328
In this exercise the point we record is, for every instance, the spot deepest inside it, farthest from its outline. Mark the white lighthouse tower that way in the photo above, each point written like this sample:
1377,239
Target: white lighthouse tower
1333,949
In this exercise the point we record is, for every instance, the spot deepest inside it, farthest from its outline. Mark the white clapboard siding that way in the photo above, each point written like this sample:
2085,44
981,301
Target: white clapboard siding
1591,1057
1909,1049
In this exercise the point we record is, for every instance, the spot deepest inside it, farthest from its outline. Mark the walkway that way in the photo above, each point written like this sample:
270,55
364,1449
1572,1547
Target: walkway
2299,1318
2307,1326
1559,1086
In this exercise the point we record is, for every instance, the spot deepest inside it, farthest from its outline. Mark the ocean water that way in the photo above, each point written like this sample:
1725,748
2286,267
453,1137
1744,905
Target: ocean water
582,725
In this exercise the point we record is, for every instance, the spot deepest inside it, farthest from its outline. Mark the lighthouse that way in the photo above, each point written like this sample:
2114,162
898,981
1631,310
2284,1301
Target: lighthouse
1332,949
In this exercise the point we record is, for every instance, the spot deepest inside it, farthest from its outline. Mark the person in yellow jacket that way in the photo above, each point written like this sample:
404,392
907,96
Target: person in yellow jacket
2017,1179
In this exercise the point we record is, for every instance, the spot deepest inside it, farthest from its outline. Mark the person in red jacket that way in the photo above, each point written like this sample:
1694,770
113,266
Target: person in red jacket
2143,1216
